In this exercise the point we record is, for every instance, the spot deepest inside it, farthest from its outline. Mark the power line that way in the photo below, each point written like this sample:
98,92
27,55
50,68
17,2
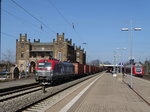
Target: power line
9,13
64,18
16,17
9,35
32,15
50,2
13,15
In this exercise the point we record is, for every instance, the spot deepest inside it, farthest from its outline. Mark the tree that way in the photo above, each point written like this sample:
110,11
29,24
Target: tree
95,62
107,63
9,56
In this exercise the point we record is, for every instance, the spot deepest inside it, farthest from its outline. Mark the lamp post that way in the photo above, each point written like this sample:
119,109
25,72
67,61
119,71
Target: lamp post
131,58
114,67
121,49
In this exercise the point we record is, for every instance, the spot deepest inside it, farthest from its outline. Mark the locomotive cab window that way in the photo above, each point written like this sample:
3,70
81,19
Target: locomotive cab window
44,65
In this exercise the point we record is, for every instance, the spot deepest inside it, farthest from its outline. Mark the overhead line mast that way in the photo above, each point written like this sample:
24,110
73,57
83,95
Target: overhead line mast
0,27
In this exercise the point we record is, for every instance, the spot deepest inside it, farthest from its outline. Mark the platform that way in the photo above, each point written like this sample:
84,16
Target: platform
140,85
110,94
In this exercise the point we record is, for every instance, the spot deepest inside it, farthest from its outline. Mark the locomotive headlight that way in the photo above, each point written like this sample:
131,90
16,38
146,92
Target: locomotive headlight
48,68
51,74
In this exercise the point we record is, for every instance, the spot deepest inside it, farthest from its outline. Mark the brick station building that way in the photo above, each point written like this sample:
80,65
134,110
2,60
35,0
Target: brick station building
28,53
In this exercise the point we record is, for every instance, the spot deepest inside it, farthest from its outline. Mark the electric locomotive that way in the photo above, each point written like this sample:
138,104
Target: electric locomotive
50,70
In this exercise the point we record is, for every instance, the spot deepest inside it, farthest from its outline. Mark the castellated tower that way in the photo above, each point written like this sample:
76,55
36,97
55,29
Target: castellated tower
80,55
60,48
63,49
22,51
28,53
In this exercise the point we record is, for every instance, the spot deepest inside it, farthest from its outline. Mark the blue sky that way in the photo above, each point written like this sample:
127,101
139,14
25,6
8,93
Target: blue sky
96,22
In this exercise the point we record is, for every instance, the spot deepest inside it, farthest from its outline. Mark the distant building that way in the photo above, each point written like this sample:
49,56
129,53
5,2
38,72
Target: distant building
80,55
28,53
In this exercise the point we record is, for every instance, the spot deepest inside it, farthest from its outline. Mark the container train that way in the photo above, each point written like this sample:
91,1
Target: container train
51,70
137,69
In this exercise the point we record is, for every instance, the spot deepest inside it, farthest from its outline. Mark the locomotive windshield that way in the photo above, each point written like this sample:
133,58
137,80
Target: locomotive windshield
44,65
138,69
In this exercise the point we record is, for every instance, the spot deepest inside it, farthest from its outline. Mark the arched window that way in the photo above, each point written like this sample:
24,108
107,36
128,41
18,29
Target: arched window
22,45
60,56
22,54
78,54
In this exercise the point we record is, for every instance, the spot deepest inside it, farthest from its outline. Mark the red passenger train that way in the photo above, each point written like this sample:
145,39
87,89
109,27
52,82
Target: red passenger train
137,69
51,70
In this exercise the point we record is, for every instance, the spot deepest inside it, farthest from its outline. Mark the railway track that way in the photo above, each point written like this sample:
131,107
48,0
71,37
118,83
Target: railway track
16,93
24,99
147,77
15,89
44,105
12,92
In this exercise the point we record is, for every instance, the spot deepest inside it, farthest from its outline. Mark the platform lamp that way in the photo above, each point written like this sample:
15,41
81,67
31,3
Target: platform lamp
114,66
131,58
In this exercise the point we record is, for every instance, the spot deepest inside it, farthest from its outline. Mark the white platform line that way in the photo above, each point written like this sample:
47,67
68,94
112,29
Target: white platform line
76,98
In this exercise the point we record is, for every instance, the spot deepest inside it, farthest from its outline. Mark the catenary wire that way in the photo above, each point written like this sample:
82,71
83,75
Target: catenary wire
32,15
64,18
25,21
9,35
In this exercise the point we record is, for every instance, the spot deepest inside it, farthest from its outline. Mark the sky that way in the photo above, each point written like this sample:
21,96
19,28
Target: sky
95,22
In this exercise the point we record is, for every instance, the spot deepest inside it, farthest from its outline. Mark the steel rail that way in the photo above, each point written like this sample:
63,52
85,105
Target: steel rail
15,89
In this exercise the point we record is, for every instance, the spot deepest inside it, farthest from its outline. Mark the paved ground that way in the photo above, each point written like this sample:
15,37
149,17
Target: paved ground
142,86
110,94
107,94
63,102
